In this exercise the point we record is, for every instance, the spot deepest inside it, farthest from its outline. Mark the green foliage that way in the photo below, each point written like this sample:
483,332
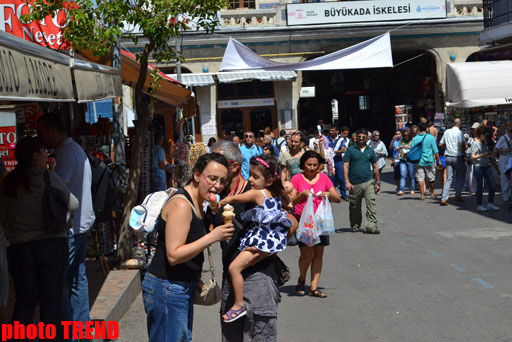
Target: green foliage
96,27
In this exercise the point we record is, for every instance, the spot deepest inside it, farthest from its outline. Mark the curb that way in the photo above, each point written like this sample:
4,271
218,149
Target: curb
117,294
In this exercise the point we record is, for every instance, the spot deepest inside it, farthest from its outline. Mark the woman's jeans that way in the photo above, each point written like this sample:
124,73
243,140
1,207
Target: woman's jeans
481,172
38,269
407,171
169,306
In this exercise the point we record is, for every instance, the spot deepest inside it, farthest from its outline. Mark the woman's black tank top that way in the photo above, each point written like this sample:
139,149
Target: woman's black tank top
187,271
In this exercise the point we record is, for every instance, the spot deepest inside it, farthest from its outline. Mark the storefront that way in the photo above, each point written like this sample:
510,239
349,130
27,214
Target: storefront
479,91
234,102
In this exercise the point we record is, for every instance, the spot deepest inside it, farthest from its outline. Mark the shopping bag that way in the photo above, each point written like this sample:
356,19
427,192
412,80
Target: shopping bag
324,218
307,233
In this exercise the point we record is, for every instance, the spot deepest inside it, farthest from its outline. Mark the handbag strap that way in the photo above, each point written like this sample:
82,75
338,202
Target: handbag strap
212,270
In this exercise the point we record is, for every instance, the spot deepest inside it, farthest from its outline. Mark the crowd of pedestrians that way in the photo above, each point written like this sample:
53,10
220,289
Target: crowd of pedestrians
267,181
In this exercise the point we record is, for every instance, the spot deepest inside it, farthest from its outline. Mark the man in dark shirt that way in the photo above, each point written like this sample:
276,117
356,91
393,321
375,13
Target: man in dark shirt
358,162
261,293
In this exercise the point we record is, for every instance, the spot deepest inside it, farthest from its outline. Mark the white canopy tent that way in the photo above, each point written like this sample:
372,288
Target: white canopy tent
372,53
476,84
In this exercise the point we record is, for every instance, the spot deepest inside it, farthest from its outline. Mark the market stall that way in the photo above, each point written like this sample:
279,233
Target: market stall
477,91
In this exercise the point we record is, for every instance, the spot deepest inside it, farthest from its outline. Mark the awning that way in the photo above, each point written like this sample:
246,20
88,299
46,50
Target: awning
476,84
195,80
230,77
372,53
170,91
95,82
29,72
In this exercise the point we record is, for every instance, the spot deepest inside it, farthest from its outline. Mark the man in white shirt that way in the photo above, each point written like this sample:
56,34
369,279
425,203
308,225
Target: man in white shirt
455,145
504,148
74,169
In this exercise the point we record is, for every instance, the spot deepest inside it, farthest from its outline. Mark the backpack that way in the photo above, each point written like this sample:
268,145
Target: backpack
143,217
100,188
414,154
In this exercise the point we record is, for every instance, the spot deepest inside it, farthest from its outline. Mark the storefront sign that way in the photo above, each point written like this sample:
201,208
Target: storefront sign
25,77
245,103
95,86
364,11
47,32
208,125
307,92
8,139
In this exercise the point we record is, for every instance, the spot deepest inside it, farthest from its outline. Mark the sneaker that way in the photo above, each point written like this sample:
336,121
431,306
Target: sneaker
491,206
459,199
372,231
355,228
412,192
481,208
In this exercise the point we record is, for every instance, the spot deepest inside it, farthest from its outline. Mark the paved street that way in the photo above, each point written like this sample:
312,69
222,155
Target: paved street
433,274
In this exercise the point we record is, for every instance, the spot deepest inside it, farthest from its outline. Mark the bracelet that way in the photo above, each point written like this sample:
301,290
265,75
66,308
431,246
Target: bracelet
377,183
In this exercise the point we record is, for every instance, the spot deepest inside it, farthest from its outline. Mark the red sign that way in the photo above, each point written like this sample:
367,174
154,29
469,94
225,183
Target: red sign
8,139
47,32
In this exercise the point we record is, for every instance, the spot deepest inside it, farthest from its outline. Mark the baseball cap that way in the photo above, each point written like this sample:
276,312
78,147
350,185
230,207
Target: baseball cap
475,125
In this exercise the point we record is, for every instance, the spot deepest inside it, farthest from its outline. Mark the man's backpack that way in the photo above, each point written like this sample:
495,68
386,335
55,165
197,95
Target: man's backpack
414,154
143,217
101,189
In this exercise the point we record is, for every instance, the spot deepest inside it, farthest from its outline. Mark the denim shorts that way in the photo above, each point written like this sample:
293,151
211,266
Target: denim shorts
169,307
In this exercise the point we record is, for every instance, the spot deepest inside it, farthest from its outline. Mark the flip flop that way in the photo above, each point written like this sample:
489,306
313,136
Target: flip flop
300,289
233,315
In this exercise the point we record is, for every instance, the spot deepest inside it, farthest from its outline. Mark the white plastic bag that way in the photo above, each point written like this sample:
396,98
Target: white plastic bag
307,233
324,218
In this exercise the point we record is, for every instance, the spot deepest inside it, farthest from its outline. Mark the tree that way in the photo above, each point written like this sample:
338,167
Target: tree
97,25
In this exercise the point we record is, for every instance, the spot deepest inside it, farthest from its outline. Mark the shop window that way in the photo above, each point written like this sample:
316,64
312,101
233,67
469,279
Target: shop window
263,88
232,122
260,119
364,102
239,4
245,89
226,91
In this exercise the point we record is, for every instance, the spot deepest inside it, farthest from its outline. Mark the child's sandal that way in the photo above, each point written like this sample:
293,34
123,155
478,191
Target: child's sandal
233,315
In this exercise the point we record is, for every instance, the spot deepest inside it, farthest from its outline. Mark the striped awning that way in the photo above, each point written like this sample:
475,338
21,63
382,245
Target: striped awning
230,77
195,80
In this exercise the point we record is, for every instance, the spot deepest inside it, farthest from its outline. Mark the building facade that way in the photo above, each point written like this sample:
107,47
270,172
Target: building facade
291,31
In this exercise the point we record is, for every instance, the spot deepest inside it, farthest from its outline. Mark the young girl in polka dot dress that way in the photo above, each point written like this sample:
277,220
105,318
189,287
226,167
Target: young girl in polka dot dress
270,224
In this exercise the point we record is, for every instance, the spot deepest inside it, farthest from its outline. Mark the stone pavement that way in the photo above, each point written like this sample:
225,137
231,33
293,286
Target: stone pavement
433,274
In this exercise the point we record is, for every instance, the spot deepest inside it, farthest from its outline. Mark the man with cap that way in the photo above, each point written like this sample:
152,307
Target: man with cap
504,148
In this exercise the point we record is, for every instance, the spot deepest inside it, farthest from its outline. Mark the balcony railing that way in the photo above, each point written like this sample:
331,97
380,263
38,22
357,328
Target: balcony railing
248,17
497,12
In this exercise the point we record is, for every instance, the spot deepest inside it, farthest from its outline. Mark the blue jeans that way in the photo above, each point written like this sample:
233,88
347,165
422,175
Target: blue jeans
482,172
76,307
169,307
338,179
407,171
454,165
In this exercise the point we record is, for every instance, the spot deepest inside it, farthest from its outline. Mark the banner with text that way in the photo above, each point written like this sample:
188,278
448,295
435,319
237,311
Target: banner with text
8,139
29,78
47,32
364,11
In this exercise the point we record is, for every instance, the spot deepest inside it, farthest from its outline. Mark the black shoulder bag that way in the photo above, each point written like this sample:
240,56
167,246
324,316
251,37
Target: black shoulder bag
55,208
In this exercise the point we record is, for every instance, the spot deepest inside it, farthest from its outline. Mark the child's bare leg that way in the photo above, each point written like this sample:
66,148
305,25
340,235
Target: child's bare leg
235,271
